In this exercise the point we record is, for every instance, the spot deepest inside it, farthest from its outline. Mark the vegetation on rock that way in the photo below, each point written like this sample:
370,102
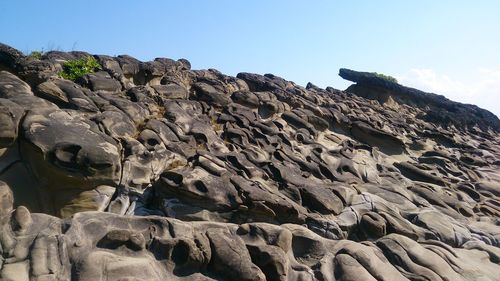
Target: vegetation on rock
36,54
386,77
74,69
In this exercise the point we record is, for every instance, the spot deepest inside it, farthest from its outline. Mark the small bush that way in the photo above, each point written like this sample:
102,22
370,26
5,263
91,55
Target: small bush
35,55
386,77
74,69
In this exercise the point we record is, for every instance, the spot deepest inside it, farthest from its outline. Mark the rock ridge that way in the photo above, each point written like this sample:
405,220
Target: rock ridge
437,108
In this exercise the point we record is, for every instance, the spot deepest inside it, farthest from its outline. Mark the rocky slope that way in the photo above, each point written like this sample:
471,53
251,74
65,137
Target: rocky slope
153,171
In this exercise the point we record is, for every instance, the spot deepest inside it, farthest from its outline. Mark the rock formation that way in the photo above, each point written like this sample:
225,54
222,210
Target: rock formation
154,171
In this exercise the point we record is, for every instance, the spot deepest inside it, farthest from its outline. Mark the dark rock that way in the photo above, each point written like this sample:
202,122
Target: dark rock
100,81
387,143
230,258
129,65
9,57
10,116
171,91
259,83
414,173
11,86
245,98
208,93
185,64
439,109
6,200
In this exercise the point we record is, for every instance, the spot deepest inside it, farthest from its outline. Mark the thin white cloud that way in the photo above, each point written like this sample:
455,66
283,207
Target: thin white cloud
483,91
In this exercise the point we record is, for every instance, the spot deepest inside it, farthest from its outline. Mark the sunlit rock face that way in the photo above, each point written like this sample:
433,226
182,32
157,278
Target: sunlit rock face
154,171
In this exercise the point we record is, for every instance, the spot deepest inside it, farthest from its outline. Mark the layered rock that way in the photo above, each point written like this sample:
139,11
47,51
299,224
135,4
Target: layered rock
435,108
153,171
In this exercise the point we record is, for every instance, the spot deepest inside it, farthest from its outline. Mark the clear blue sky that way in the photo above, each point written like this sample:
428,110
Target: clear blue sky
449,46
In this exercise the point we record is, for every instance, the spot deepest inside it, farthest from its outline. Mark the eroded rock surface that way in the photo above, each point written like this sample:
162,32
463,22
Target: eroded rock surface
153,171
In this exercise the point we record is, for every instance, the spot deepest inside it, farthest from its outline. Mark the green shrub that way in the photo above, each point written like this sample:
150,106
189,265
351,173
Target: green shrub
35,55
386,77
74,69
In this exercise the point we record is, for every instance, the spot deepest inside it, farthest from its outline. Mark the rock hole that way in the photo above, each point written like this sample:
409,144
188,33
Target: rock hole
200,138
152,142
326,172
101,166
172,178
266,110
67,152
200,186
318,150
465,212
180,253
